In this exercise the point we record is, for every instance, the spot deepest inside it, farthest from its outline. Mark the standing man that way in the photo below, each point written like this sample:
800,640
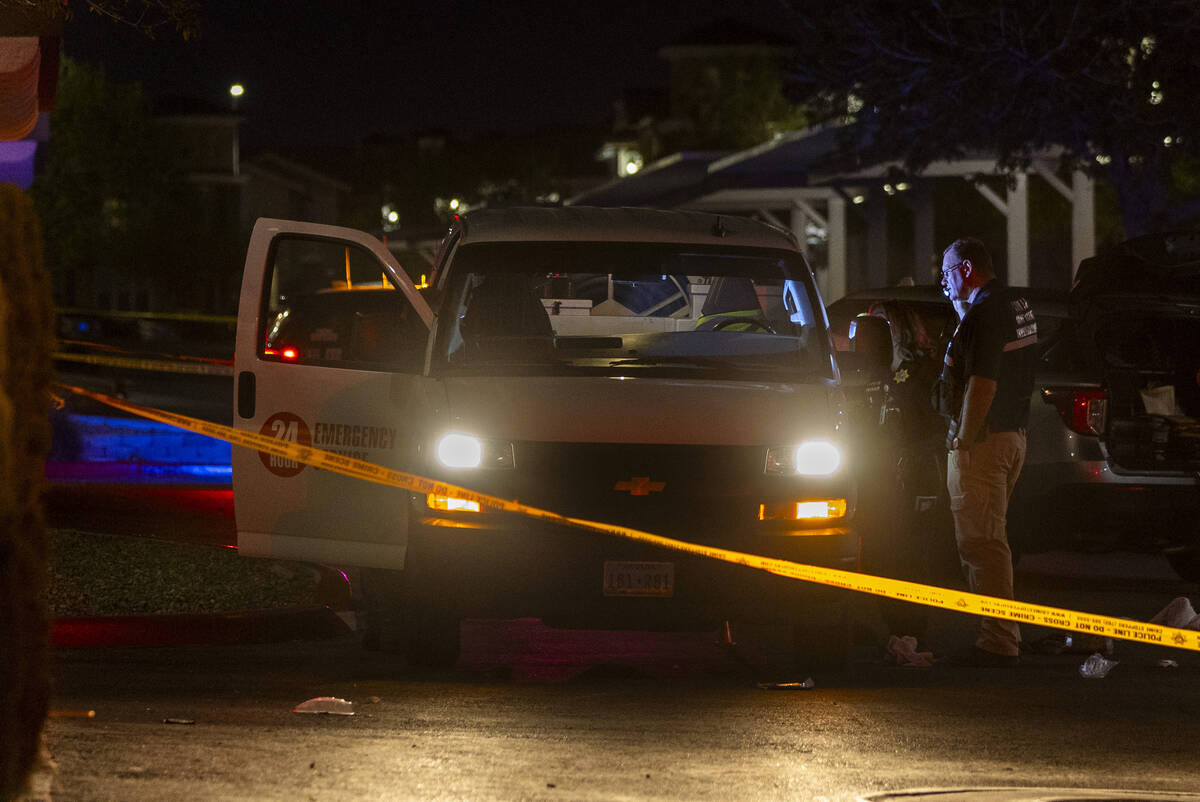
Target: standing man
988,373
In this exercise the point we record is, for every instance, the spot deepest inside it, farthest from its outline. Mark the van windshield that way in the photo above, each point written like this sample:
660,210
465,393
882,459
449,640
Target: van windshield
621,309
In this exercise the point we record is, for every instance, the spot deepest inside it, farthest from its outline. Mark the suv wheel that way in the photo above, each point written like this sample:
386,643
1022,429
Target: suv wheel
1186,562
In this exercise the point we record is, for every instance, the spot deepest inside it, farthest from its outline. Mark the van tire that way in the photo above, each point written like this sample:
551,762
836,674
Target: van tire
399,620
431,634
380,597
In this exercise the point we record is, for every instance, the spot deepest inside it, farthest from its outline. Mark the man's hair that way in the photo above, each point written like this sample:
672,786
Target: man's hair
971,249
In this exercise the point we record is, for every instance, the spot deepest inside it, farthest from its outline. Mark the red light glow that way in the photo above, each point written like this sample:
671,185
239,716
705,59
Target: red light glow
1075,407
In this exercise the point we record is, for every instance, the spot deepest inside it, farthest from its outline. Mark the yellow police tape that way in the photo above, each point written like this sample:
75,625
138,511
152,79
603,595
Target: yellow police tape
211,368
160,365
914,592
191,317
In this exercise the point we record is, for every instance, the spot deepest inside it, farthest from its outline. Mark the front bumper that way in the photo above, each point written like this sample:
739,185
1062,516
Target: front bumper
509,565
506,565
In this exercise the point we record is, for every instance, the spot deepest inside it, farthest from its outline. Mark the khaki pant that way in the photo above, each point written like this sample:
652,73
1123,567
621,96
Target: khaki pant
980,482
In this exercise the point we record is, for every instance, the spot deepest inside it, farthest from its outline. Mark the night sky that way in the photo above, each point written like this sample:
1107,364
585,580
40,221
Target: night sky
336,70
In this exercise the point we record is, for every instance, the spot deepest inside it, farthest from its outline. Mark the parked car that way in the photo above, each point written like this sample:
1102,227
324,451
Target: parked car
665,371
1113,459
1137,313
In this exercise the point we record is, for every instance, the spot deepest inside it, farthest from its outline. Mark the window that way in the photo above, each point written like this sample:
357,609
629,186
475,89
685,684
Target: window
330,303
611,308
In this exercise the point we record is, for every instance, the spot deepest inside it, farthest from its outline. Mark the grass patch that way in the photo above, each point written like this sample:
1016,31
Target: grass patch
97,574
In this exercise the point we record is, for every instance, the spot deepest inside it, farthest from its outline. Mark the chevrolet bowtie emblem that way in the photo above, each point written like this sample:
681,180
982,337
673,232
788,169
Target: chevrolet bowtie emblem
640,486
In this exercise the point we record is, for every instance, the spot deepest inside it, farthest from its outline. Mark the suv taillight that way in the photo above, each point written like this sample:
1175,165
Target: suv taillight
1082,411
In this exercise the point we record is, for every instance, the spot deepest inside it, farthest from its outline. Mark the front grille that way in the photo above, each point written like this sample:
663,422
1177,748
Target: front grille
709,495
704,494
669,488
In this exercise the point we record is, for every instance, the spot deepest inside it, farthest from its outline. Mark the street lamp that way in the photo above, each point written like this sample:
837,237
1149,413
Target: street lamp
235,92
629,161
391,217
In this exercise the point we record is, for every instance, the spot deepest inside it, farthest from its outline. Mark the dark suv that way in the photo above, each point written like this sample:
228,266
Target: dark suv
1113,458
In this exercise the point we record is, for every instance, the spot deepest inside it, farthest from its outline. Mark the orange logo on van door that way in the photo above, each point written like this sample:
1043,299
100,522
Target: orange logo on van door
640,486
290,428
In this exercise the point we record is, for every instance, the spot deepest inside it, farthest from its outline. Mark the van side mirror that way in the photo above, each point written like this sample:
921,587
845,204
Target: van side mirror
871,340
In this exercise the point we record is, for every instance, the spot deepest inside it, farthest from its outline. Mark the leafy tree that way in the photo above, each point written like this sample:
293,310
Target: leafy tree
148,16
732,102
112,193
1112,83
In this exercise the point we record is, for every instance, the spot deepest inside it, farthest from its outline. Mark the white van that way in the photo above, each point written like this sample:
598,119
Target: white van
666,371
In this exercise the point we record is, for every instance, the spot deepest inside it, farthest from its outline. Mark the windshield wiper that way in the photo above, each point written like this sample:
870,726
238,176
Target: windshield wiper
694,363
493,364
772,370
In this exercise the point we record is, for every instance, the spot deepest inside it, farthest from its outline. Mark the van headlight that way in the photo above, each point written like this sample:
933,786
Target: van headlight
810,458
467,451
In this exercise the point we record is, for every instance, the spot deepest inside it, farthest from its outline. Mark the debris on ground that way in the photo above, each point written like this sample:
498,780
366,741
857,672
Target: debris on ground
807,685
904,651
1096,667
71,714
1073,643
329,705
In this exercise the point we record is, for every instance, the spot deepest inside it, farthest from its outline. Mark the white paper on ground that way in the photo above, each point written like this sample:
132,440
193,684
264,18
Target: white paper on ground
330,705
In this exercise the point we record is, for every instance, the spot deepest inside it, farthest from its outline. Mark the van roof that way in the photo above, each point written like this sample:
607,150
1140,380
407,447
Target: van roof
595,224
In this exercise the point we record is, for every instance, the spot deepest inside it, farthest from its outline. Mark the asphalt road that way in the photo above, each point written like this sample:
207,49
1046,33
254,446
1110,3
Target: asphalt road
706,732
533,713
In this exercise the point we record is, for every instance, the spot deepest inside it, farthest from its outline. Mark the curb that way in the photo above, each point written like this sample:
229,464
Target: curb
258,626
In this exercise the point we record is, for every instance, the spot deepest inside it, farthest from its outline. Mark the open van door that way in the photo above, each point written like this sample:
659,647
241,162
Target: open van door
331,343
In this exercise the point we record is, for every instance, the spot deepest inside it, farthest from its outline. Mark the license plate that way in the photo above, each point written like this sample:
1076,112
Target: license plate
656,580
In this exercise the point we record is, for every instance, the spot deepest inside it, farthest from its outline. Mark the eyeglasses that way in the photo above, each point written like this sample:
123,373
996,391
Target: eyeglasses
958,266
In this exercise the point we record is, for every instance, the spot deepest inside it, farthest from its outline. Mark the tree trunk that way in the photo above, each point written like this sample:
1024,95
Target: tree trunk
26,338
